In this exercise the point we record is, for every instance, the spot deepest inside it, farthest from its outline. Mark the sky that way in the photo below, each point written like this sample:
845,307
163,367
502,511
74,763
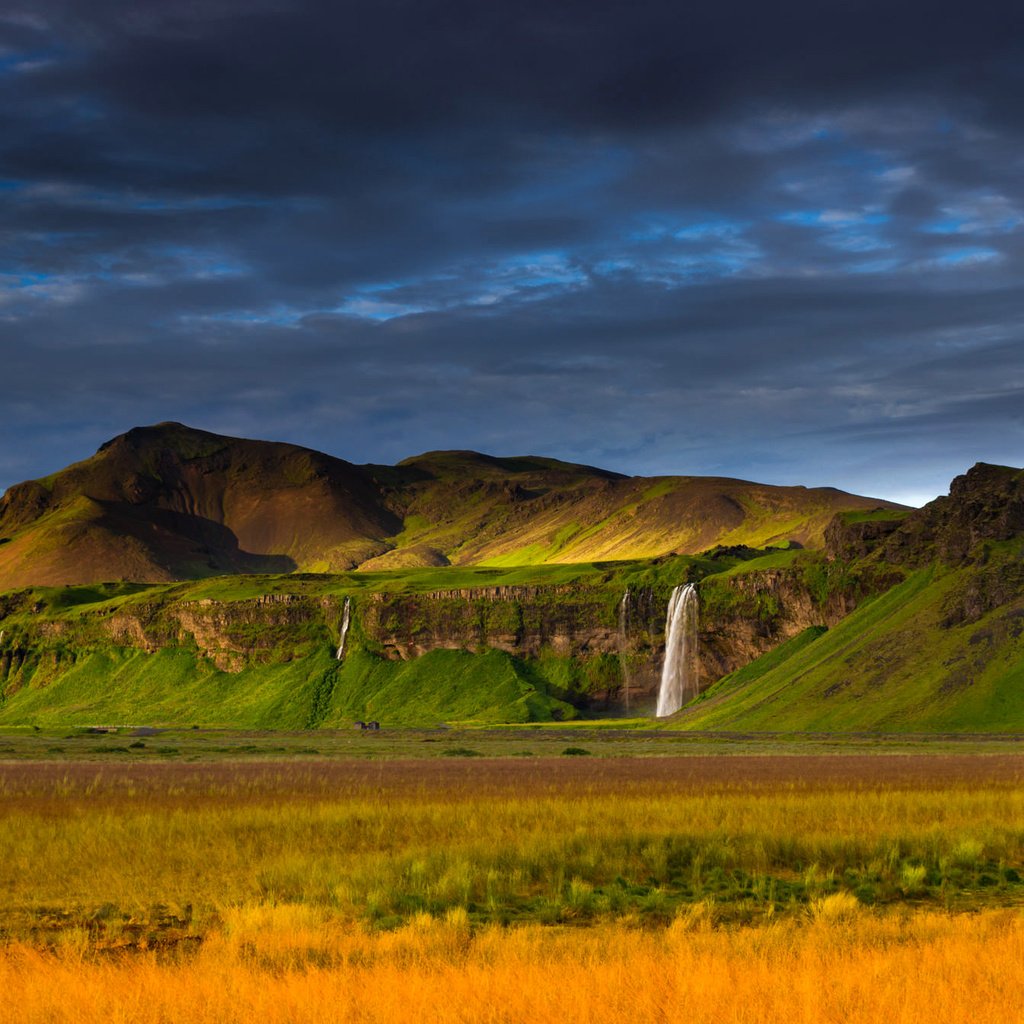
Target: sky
778,241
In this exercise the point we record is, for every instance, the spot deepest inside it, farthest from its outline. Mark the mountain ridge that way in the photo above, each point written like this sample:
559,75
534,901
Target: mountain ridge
170,502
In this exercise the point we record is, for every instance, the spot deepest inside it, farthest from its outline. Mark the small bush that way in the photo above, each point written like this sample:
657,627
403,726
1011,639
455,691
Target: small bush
580,895
838,908
694,917
866,893
575,752
913,878
966,854
462,752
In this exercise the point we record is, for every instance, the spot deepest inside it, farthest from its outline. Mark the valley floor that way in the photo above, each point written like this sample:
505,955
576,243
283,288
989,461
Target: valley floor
614,738
724,883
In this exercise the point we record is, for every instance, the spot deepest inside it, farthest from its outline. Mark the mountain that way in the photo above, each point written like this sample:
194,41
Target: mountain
905,621
169,502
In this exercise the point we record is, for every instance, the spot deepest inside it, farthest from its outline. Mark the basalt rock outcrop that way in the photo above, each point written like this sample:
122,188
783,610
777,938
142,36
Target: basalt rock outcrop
985,504
848,539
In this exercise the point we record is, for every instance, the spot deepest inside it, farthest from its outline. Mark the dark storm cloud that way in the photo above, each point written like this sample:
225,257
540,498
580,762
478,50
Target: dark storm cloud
782,241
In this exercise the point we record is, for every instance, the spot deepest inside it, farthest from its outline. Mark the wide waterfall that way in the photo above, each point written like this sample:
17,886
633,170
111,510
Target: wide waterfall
346,612
623,640
679,676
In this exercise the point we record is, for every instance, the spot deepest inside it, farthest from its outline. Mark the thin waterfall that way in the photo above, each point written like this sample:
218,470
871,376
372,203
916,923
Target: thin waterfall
678,676
346,612
623,640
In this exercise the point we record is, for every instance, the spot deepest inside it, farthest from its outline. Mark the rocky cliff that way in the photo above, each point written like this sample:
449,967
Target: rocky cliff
578,639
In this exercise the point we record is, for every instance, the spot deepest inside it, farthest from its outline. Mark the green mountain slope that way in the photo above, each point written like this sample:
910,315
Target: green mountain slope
941,651
477,510
117,686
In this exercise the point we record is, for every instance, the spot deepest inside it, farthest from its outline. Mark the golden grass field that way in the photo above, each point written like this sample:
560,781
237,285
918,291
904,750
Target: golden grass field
842,888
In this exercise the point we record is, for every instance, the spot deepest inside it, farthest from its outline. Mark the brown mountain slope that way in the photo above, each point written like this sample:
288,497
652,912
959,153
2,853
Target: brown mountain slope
169,502
475,509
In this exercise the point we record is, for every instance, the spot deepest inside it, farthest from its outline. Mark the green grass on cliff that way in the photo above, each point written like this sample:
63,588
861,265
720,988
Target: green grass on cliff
877,515
906,661
781,558
42,603
70,659
174,687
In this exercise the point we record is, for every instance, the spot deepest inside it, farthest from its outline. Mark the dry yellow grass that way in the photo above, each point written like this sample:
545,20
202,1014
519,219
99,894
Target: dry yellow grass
293,963
637,894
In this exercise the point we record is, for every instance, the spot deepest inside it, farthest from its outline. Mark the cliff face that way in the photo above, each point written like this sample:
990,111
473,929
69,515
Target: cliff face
848,538
985,504
577,639
747,615
569,621
230,635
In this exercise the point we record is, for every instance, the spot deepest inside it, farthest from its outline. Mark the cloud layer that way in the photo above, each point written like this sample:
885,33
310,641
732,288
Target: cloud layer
778,241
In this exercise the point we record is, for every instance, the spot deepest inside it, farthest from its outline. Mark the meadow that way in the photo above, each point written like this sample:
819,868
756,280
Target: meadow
744,887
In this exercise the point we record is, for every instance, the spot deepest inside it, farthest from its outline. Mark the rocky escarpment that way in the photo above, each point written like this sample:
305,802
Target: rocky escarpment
229,634
748,614
849,537
576,643
526,621
985,504
579,638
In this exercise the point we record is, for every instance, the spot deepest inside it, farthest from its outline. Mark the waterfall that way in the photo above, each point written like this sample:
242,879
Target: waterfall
345,615
678,676
623,639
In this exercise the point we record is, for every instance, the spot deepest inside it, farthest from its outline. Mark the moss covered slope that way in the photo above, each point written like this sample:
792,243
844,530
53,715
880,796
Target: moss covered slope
943,650
425,646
